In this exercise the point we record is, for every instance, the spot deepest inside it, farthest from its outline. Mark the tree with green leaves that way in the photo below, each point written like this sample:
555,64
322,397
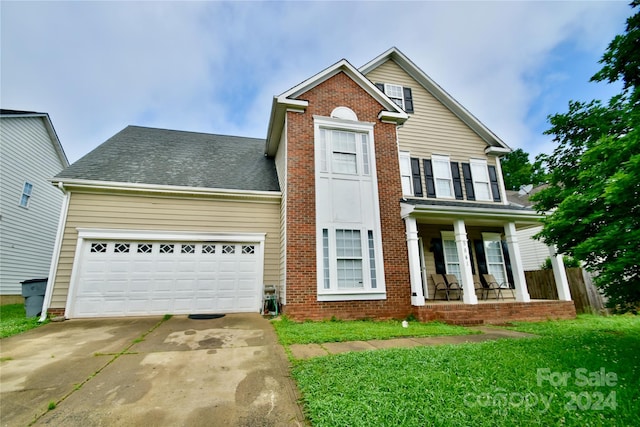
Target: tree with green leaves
518,171
594,181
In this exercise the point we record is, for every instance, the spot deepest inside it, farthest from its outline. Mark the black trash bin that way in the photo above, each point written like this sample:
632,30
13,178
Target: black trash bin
33,291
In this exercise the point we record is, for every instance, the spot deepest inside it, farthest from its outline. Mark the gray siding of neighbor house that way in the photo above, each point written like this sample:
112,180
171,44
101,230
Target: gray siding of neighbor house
27,235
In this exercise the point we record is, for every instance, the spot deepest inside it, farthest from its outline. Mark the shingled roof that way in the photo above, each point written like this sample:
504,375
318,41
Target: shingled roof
167,157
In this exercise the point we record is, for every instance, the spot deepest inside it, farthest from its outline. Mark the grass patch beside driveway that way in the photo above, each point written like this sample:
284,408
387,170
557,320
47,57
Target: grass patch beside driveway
291,332
13,320
494,383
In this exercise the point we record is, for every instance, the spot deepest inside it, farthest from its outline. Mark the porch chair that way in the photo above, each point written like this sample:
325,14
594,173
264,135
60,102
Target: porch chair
270,300
490,283
442,285
486,287
454,284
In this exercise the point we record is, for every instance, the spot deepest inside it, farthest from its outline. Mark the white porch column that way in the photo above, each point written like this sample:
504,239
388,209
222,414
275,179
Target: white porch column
417,294
522,293
460,232
560,274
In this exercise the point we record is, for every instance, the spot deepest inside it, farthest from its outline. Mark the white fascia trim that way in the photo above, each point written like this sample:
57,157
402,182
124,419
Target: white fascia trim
55,257
352,296
473,212
157,188
156,235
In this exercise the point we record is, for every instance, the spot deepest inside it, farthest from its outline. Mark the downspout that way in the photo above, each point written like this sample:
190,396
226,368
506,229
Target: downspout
55,257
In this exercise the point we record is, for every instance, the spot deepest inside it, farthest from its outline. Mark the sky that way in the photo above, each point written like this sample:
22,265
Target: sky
209,66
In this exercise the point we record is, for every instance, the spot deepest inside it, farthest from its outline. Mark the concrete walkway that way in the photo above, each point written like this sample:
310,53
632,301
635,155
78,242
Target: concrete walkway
487,333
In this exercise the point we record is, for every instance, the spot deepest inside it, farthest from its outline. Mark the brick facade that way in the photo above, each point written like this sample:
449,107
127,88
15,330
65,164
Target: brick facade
301,274
496,313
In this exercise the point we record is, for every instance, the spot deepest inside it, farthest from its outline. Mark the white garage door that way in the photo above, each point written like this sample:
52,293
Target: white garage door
132,278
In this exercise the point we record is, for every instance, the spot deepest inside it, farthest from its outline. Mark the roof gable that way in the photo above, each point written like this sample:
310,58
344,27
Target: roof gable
149,156
57,145
496,145
290,100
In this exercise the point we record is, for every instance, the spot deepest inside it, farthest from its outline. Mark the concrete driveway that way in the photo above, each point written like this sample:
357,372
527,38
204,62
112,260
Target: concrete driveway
148,371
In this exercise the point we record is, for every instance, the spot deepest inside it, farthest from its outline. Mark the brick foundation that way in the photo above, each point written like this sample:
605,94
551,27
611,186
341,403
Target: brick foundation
496,313
55,312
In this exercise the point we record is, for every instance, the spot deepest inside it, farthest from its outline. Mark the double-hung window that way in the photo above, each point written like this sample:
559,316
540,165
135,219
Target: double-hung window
450,251
442,176
405,173
348,260
395,93
481,184
27,189
494,256
347,152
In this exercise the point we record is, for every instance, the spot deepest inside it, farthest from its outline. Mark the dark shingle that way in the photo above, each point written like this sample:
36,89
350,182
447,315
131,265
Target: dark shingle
168,157
431,202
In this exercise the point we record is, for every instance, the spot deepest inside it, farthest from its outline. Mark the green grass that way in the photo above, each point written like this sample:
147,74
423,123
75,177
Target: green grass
13,320
336,330
494,383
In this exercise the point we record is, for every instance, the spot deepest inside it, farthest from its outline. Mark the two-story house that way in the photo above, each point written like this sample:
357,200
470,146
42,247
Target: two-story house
30,155
369,181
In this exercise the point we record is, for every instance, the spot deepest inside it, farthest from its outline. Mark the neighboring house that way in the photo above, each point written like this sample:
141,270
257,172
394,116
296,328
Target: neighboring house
369,181
533,252
30,155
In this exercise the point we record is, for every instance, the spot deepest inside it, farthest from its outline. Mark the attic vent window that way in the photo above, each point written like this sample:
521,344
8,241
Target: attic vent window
344,113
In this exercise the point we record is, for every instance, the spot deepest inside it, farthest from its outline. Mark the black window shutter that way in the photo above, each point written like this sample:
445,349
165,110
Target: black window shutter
457,184
380,86
408,100
507,263
415,174
428,175
438,256
482,260
468,181
493,178
473,267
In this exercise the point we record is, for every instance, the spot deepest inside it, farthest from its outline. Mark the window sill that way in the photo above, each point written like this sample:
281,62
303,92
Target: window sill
352,296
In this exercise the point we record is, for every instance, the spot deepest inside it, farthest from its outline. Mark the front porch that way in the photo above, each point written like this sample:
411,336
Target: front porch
469,243
496,312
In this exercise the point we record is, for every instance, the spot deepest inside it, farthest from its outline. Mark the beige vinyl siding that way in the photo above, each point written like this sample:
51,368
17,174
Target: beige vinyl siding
432,128
28,234
136,212
281,170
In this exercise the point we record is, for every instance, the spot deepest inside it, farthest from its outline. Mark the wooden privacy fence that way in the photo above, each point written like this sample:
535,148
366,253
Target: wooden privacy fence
587,299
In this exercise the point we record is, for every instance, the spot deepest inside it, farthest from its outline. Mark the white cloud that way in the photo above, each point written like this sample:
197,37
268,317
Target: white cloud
214,67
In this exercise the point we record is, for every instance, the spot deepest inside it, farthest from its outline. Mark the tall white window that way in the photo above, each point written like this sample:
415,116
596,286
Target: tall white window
405,173
493,255
481,184
450,250
395,93
442,176
27,189
349,242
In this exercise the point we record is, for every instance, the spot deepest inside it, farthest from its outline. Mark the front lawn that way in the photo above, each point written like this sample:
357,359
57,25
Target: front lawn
13,320
582,372
337,330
